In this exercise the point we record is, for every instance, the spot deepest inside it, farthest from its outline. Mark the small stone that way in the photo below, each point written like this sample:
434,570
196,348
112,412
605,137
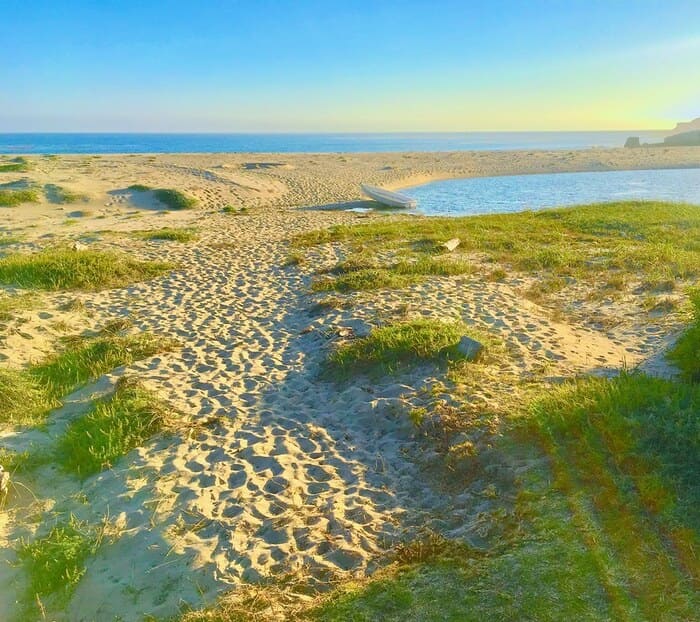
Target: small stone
450,245
78,246
470,348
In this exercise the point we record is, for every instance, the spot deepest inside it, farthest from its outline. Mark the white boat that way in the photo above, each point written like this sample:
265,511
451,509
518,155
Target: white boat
387,197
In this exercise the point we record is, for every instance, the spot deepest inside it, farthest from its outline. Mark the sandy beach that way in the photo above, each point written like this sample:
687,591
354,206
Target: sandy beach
276,472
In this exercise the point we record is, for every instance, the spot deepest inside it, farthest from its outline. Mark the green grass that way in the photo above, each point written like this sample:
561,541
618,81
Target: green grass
21,398
174,199
184,234
685,354
364,280
230,209
11,305
11,198
653,241
16,165
8,240
55,563
626,453
293,259
56,269
59,194
112,428
362,272
27,396
392,348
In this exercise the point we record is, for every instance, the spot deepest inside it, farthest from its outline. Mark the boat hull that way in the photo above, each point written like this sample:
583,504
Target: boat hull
387,197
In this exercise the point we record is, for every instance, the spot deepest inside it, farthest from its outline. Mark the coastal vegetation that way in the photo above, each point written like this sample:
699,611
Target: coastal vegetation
172,199
55,563
685,353
171,234
395,347
114,426
28,395
230,209
12,198
15,165
62,268
653,242
61,195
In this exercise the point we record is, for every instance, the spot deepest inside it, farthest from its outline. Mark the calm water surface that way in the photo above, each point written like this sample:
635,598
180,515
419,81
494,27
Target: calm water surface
489,195
312,143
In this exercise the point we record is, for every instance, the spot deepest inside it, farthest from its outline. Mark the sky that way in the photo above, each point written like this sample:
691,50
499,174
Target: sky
347,66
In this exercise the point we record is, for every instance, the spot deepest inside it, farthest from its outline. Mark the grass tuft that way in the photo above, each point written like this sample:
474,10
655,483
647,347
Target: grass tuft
111,429
11,198
184,234
17,165
59,194
56,562
21,398
55,269
392,348
230,209
174,199
362,272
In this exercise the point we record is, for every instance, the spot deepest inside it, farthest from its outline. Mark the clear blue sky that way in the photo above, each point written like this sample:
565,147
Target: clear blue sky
311,65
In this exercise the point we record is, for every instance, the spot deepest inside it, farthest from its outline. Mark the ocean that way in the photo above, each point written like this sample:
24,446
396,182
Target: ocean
50,143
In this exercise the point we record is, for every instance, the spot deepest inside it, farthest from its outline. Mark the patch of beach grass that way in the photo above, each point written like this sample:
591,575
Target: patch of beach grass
652,241
364,273
55,563
114,426
230,209
21,398
27,396
12,304
139,188
393,348
12,198
57,268
16,165
293,259
685,354
364,280
61,195
85,359
174,199
183,234
9,239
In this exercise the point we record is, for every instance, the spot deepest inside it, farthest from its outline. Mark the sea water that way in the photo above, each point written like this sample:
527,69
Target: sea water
17,143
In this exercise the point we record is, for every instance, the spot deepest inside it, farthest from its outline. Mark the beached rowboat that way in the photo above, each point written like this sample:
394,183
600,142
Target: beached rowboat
387,197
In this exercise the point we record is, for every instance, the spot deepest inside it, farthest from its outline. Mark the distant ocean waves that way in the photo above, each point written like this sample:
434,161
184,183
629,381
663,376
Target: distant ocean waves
311,143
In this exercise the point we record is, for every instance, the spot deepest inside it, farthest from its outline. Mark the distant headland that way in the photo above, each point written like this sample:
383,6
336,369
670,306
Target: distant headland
685,134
